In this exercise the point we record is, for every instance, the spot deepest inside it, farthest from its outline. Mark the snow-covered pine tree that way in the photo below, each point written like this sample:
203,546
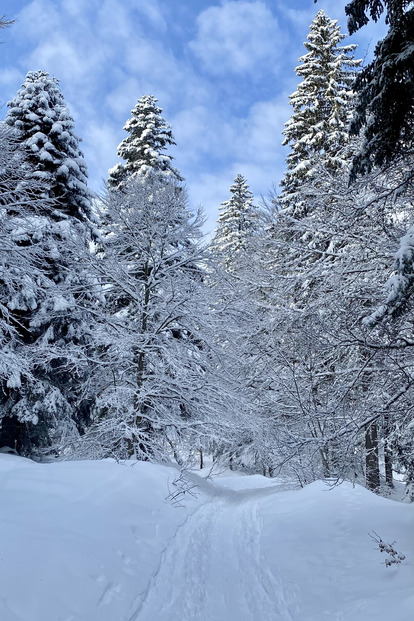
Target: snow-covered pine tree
319,272
47,222
19,270
143,151
385,87
318,129
242,334
42,119
237,222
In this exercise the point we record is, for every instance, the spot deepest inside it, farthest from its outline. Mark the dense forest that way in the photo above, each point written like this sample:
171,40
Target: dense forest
283,344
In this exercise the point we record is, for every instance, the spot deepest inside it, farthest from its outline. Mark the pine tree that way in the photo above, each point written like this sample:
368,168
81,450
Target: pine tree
143,149
385,88
20,277
164,390
46,207
318,128
42,119
236,224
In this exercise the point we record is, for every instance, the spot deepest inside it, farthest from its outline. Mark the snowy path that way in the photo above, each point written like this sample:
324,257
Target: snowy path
267,554
213,569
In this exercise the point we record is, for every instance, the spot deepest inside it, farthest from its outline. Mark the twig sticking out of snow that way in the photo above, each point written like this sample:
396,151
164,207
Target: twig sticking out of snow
182,487
394,558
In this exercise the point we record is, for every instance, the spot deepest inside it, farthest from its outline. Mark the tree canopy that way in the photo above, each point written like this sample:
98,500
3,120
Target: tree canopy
385,106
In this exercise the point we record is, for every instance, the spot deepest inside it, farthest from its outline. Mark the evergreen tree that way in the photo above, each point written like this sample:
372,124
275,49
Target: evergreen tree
385,104
237,222
42,119
20,276
318,128
45,219
321,258
143,149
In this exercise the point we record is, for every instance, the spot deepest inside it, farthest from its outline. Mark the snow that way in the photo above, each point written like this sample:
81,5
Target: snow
60,303
15,380
100,541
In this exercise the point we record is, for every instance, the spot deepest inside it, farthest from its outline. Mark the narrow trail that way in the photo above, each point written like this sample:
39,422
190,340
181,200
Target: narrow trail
220,538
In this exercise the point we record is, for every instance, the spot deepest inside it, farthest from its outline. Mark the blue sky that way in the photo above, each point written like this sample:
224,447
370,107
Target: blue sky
222,72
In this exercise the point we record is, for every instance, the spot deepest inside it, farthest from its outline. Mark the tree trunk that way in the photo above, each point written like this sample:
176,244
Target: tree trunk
388,465
372,472
388,455
139,354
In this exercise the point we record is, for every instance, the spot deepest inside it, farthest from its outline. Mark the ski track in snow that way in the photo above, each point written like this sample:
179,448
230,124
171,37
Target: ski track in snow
220,538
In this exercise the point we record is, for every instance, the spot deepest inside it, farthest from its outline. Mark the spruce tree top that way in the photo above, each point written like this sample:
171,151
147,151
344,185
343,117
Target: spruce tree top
318,128
237,221
143,149
45,126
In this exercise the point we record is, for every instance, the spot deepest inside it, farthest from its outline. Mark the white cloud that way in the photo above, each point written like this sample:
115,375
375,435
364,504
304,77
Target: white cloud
122,98
262,135
9,76
158,69
255,138
101,141
203,130
238,37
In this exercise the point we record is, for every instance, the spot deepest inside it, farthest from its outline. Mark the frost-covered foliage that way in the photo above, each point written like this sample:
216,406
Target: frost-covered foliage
318,129
46,128
47,400
384,117
237,223
45,395
159,374
385,103
17,269
332,378
399,286
143,151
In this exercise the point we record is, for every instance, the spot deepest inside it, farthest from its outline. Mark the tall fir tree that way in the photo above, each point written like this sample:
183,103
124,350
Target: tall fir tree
318,129
46,128
237,222
50,402
143,151
384,111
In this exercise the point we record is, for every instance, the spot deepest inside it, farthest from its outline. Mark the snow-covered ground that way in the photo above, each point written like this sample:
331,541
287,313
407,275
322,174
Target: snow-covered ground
99,541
